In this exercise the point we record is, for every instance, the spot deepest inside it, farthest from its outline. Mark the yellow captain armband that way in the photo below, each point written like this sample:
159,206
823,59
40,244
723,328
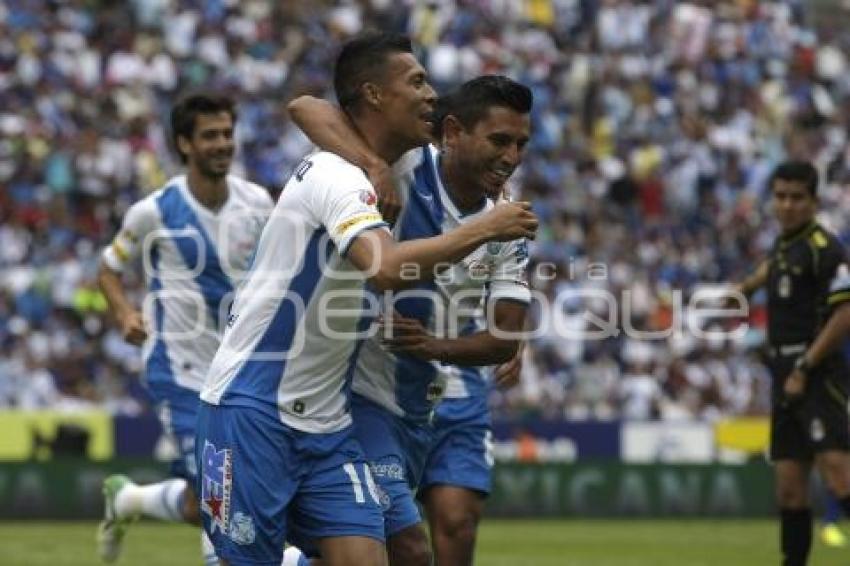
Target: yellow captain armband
367,218
120,251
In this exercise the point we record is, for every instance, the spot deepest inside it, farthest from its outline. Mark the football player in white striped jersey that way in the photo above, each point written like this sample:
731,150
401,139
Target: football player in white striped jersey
195,236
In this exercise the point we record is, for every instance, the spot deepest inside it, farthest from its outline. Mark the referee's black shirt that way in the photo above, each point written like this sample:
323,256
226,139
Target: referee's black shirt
807,277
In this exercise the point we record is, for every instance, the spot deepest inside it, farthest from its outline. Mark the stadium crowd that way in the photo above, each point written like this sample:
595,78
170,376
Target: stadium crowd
655,127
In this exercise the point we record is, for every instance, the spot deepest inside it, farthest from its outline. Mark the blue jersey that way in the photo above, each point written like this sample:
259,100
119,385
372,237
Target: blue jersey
446,305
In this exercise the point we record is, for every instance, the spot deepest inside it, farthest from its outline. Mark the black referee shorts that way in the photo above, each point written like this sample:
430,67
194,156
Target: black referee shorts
816,422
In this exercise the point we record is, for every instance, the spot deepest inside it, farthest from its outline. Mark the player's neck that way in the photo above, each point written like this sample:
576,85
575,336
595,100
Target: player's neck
383,142
464,193
797,230
210,192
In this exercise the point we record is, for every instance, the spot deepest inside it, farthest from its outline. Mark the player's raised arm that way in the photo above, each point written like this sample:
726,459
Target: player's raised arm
393,265
331,129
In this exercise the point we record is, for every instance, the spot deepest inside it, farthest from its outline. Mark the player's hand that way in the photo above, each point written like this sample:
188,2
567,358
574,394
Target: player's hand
133,328
402,335
511,221
389,203
795,385
507,374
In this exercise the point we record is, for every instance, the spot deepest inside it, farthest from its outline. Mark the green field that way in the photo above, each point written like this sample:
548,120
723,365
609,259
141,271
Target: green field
502,543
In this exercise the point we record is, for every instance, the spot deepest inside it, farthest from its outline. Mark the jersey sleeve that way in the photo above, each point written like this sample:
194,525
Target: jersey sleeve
831,266
347,207
509,280
139,221
838,271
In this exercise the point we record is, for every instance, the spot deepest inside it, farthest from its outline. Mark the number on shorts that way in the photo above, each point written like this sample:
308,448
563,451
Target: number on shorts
488,448
357,485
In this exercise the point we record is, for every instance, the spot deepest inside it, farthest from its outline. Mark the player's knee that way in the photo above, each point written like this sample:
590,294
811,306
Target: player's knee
409,548
790,496
191,508
459,524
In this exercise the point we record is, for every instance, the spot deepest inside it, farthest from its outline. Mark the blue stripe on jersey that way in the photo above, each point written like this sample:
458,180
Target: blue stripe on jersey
177,214
259,379
473,377
422,218
362,325
158,370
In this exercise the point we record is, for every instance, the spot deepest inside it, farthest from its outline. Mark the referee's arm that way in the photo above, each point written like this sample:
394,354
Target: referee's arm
755,280
836,329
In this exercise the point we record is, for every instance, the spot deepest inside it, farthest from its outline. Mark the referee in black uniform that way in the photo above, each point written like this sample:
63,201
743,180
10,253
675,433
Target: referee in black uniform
808,289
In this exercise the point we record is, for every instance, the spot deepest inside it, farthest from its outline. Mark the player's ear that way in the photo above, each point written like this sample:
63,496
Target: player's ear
452,128
372,94
184,145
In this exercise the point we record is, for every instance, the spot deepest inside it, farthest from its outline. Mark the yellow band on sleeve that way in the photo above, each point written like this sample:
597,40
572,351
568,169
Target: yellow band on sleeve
347,225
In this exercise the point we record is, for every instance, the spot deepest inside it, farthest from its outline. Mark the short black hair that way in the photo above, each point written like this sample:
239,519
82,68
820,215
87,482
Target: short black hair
799,171
362,60
474,98
189,107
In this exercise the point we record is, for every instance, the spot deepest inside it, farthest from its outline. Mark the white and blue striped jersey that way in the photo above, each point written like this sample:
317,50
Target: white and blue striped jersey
284,350
192,259
407,386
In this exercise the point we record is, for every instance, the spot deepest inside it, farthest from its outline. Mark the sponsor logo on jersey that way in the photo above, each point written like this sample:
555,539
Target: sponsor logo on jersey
368,198
391,471
479,270
522,249
817,430
784,286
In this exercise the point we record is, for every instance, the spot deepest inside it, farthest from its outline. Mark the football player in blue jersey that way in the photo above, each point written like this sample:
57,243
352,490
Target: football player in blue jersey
483,128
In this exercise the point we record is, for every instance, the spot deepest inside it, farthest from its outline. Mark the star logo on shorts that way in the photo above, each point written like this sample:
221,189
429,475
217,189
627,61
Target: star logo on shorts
217,481
214,506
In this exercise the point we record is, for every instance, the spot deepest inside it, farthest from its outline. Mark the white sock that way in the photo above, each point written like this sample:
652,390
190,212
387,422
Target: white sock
163,500
208,550
293,557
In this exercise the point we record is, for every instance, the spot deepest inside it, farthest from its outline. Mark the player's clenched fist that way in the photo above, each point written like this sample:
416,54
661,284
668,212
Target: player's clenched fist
133,328
510,221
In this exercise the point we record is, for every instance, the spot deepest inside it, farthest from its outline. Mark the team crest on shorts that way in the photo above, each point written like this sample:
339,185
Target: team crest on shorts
242,529
817,430
216,483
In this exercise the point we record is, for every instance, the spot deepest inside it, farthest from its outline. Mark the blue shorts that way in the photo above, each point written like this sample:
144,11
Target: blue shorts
462,451
396,450
177,409
259,478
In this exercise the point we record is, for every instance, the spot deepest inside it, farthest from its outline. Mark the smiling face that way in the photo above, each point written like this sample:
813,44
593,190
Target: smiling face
488,153
793,204
210,148
406,100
